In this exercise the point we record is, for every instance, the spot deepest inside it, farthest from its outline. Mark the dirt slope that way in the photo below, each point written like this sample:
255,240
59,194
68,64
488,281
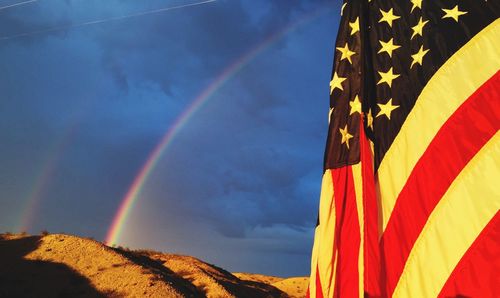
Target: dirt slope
68,266
214,281
295,287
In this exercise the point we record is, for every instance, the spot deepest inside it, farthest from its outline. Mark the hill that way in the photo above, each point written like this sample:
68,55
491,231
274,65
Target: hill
59,265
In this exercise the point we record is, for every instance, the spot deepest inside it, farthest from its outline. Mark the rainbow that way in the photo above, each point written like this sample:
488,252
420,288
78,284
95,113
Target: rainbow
40,185
132,195
43,180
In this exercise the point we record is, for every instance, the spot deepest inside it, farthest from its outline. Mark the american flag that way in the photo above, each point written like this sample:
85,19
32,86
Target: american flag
410,191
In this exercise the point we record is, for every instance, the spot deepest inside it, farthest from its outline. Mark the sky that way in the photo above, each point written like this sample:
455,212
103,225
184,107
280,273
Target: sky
87,94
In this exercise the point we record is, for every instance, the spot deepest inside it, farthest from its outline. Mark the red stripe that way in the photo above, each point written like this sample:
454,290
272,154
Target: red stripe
347,234
477,273
319,289
460,138
370,207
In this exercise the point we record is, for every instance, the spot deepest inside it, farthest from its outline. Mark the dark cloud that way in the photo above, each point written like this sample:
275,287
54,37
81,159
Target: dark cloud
95,100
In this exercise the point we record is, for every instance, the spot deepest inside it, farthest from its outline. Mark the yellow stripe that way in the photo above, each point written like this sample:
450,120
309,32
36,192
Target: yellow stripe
358,187
450,86
326,232
462,213
334,275
314,264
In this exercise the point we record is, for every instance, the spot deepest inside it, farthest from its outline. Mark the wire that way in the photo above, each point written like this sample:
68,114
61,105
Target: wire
17,4
59,28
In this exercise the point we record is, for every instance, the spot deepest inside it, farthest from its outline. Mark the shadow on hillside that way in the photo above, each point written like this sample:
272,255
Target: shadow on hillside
163,272
257,288
245,288
20,277
187,280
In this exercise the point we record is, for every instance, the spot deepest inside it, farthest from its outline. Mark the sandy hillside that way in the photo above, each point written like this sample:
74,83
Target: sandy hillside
68,266
215,281
293,286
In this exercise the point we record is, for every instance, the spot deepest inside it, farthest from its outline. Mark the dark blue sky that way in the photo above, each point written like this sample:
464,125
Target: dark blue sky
82,108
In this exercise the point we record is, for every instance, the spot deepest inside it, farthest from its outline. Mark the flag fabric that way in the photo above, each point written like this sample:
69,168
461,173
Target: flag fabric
411,185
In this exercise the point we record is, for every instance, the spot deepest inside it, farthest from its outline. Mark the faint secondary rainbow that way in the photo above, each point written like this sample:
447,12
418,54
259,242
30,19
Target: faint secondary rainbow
42,181
132,195
44,178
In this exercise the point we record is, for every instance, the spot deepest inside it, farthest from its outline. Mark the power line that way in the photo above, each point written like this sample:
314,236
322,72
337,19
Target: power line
59,28
17,4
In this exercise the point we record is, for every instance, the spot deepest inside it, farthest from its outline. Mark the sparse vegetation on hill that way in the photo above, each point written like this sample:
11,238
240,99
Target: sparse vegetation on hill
56,265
